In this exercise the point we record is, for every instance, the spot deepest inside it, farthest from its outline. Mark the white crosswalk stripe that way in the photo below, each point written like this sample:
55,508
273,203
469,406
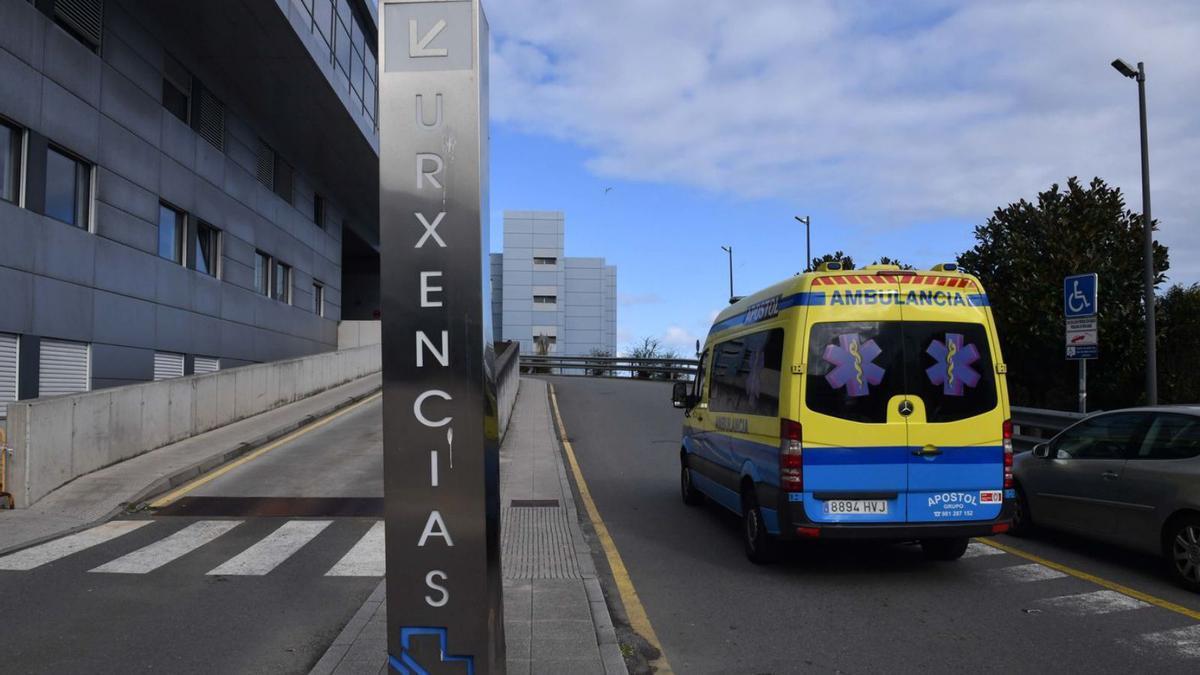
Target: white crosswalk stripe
41,554
976,550
277,547
176,546
1097,602
1184,642
366,559
1024,573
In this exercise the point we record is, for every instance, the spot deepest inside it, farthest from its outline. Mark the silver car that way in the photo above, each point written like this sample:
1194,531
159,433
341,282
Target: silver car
1129,477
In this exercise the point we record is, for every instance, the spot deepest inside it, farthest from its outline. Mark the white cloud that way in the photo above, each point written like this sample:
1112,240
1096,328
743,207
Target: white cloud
888,115
679,339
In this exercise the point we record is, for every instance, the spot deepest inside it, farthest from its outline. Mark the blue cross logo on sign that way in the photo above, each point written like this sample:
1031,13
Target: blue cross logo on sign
1079,296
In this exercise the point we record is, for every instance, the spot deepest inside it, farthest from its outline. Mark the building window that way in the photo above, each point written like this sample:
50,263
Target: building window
351,47
205,364
318,294
262,273
64,368
83,19
68,188
283,283
170,233
283,179
545,300
10,163
543,260
177,89
208,249
319,211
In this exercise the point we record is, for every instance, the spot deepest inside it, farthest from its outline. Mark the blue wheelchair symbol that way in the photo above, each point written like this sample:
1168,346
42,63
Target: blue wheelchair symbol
1079,295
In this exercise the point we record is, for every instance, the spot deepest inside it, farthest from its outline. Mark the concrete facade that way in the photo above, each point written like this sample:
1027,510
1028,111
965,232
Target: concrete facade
537,290
272,76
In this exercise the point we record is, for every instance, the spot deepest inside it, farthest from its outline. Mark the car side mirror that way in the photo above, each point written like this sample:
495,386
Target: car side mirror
1042,450
679,395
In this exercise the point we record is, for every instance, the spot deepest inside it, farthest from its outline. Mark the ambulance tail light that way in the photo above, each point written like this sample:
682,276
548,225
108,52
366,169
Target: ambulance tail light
791,456
1008,454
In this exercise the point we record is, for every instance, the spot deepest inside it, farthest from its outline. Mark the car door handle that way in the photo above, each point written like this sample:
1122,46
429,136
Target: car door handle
1110,475
927,451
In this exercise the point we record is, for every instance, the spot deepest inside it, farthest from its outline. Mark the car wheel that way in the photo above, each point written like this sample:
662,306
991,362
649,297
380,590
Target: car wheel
945,549
760,548
1183,552
1022,520
691,496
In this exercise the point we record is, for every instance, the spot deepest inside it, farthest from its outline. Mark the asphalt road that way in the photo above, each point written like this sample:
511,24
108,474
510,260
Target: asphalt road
851,607
222,588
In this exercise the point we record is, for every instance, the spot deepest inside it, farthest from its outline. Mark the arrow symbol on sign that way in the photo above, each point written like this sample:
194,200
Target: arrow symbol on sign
419,47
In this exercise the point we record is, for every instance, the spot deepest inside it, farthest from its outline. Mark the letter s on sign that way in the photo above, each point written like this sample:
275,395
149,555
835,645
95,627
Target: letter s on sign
420,414
429,581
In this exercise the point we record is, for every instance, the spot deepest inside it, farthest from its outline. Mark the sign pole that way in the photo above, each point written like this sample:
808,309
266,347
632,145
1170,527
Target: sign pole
1083,385
441,451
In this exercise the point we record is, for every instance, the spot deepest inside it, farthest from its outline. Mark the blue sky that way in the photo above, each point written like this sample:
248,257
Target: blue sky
897,127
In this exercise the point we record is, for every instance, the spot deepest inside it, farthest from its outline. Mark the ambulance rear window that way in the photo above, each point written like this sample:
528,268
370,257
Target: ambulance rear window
856,368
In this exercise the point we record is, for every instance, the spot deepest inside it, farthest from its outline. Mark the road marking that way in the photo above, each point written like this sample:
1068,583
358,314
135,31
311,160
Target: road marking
1024,573
1096,602
1183,641
277,547
638,619
207,478
60,548
976,550
366,559
1099,581
154,556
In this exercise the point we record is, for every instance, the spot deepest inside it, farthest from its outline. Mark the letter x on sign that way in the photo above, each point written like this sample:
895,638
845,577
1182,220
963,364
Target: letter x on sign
425,36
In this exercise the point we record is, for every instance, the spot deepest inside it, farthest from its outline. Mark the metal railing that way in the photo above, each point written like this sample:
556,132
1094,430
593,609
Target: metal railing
1035,425
607,366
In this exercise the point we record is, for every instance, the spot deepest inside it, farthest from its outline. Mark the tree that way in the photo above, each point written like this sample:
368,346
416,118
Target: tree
1178,324
597,368
837,256
1021,255
650,348
885,260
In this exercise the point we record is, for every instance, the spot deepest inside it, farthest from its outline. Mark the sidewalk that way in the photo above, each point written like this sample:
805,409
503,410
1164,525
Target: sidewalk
555,617
101,494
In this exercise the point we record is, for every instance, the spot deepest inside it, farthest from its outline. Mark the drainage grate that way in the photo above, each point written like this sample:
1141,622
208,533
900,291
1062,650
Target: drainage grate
535,503
537,544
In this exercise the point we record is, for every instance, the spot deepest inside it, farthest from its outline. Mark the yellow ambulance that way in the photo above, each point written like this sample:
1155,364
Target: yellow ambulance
853,403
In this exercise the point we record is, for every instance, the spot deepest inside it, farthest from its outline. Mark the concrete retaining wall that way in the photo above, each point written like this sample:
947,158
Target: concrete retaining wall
56,440
508,380
353,334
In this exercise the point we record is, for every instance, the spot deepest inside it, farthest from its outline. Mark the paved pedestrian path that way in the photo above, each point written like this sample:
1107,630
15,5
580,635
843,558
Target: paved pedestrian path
555,617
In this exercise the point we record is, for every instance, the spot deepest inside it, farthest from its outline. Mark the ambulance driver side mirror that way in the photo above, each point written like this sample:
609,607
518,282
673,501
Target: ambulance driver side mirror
679,395
1042,451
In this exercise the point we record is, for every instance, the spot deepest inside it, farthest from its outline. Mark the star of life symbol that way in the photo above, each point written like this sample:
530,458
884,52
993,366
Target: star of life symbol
953,368
853,368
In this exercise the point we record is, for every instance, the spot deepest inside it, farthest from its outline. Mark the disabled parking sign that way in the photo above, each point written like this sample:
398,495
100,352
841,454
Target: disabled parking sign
1079,296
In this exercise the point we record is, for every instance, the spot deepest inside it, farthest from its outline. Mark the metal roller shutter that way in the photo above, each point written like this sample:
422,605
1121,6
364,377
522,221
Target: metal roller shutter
65,368
85,17
206,365
167,365
8,372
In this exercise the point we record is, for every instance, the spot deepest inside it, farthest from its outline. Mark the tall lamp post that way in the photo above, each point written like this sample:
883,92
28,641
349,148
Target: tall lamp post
1147,232
729,250
807,220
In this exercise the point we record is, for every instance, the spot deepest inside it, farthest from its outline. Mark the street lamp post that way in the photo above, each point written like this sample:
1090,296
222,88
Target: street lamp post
729,250
1147,232
807,220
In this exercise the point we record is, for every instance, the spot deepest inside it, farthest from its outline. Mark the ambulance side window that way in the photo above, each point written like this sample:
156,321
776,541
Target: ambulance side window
745,374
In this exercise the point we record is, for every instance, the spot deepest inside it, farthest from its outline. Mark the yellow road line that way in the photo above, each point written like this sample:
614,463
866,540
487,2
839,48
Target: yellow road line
207,478
1110,585
638,619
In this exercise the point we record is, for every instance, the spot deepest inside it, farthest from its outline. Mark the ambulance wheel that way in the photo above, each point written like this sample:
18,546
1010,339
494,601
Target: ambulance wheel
760,547
691,496
945,549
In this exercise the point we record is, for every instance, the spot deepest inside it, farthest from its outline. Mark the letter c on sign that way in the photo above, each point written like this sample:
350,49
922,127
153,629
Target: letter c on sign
429,581
420,415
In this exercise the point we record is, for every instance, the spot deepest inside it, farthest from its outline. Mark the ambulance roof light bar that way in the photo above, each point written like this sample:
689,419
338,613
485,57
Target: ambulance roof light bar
945,267
830,267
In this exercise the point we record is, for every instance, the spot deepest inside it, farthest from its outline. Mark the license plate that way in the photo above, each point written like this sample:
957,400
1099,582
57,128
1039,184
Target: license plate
868,507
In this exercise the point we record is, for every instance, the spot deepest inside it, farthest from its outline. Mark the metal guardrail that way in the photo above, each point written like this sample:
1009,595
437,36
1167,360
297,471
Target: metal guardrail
1035,425
604,366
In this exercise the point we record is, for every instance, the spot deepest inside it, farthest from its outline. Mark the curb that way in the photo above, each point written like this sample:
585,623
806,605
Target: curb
199,468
